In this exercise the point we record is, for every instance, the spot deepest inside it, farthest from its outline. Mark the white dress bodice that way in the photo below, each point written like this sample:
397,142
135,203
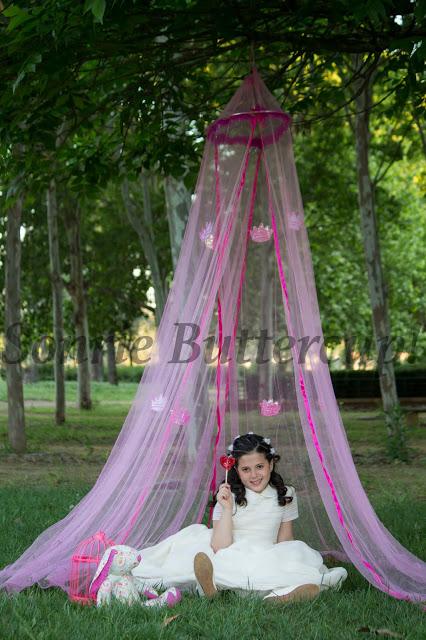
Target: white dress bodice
259,521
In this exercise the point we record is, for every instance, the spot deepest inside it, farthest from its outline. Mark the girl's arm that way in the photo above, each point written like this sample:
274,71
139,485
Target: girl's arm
222,529
285,532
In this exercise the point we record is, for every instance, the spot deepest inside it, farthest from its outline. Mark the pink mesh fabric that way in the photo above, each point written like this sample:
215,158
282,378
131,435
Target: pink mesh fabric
234,281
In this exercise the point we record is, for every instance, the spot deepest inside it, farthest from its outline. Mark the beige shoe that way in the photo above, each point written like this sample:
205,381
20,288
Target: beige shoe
203,570
304,592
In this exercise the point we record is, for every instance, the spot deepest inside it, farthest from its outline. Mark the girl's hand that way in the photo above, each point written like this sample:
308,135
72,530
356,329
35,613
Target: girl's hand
224,496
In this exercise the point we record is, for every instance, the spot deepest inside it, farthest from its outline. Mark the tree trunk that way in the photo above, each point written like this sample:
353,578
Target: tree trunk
98,361
178,203
363,85
31,375
111,362
12,355
77,293
349,363
57,298
142,224
421,132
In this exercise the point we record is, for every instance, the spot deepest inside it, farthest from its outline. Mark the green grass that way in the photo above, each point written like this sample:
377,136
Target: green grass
48,615
101,391
41,487
339,616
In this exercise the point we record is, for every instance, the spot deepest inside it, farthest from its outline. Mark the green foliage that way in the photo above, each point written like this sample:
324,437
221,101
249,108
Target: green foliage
330,200
97,7
162,50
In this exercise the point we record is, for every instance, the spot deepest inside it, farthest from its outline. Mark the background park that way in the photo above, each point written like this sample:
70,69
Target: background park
104,107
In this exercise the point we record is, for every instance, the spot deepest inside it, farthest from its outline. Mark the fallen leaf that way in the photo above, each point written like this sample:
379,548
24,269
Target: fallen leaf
167,621
388,633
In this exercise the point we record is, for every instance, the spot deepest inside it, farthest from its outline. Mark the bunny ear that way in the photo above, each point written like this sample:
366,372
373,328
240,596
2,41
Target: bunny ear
102,571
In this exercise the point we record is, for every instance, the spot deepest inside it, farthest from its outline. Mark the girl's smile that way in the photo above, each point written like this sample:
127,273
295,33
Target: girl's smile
255,471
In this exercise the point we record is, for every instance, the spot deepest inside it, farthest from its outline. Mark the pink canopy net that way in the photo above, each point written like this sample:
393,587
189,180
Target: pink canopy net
239,349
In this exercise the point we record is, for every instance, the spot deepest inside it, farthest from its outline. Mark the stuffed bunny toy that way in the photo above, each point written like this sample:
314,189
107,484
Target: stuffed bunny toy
113,577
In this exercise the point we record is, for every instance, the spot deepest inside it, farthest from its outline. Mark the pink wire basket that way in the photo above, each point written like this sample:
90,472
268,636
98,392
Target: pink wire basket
83,566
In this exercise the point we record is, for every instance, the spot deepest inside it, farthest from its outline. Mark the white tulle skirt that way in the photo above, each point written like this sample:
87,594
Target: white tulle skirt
246,565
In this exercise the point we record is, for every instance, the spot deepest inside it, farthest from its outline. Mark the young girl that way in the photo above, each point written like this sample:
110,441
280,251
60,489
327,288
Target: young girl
251,546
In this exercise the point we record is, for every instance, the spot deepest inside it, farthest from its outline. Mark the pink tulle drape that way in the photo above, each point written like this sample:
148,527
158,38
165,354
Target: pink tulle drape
241,330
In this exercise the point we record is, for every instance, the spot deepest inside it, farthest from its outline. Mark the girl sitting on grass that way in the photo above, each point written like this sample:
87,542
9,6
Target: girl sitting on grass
251,545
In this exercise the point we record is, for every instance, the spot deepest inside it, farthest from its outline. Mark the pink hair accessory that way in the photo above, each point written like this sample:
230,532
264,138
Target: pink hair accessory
270,407
180,416
261,233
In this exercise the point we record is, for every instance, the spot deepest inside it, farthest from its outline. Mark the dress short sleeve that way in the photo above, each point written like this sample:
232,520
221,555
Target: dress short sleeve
290,510
218,509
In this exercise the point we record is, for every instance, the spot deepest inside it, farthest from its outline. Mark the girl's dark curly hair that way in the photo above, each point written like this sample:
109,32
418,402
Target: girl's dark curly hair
251,443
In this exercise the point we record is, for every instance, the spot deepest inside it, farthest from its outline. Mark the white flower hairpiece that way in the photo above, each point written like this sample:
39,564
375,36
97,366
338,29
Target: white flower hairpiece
267,440
230,447
272,450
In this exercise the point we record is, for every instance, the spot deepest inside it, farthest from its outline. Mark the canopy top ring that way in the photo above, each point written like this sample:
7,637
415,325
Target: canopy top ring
231,130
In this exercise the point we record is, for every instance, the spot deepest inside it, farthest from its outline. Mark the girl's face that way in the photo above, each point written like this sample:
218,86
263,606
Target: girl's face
255,471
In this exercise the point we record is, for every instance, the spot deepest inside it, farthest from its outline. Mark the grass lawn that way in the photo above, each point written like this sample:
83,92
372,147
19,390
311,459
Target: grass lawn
62,463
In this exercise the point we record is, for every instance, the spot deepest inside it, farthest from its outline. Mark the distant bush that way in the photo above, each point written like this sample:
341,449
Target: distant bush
45,372
130,374
410,382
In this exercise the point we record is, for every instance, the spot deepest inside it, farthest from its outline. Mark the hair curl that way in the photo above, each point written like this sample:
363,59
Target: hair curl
254,443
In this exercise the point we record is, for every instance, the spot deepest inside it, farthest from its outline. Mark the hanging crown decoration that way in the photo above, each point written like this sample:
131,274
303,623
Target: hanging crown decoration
180,416
295,221
260,233
206,235
270,407
158,403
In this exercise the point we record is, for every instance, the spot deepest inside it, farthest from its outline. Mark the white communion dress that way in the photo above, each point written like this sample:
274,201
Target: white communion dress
253,562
